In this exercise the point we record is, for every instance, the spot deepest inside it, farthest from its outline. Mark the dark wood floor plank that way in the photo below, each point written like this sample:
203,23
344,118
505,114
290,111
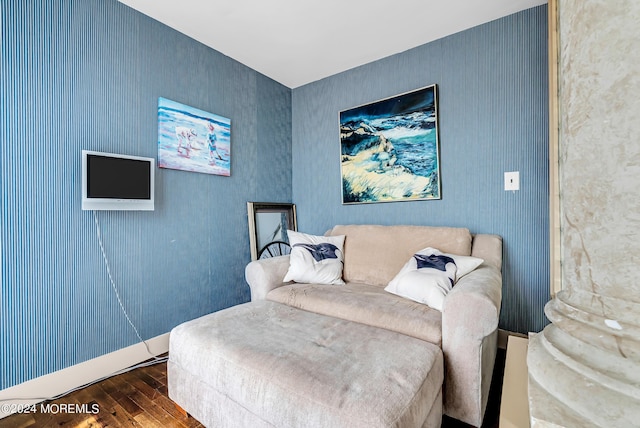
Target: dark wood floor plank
20,420
151,381
158,371
89,422
148,421
95,395
170,407
123,401
108,418
144,388
57,418
130,406
124,418
111,388
155,411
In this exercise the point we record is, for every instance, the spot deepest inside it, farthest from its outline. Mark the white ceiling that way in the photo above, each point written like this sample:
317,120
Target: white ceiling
296,42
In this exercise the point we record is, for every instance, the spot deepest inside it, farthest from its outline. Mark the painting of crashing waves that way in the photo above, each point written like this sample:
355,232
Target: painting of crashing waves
193,140
389,149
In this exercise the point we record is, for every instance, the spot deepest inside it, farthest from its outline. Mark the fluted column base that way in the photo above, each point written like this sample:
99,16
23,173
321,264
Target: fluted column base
584,368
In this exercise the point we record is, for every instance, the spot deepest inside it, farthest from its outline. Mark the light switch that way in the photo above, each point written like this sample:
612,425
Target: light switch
512,180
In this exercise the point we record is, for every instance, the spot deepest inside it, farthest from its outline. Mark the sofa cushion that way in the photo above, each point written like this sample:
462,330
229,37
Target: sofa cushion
364,304
374,254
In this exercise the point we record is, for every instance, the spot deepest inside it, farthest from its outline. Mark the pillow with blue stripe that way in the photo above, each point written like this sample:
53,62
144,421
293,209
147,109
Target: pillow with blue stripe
315,259
429,276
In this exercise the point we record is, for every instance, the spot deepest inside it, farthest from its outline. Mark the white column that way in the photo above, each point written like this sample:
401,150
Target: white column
584,368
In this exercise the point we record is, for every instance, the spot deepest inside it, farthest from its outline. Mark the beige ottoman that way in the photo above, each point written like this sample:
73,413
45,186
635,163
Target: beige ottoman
265,364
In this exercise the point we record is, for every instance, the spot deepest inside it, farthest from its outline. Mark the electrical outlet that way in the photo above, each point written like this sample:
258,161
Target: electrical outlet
512,180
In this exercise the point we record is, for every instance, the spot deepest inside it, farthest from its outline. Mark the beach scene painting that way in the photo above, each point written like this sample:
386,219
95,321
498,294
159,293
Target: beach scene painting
390,149
190,139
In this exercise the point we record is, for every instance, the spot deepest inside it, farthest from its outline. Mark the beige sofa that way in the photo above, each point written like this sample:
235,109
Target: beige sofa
466,329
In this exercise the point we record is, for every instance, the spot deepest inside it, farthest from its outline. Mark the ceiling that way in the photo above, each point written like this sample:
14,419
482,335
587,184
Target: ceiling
296,42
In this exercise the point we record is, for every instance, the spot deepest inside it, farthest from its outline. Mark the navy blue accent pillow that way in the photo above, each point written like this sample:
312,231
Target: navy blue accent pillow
321,251
429,276
433,261
315,259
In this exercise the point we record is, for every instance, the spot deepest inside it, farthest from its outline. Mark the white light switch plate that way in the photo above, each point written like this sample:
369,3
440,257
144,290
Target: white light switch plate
512,180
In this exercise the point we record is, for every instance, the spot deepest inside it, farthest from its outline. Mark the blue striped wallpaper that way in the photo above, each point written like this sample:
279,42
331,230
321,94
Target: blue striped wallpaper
493,115
87,75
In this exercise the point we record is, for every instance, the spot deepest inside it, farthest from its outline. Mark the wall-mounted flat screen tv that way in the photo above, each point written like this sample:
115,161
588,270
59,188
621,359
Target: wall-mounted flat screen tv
117,182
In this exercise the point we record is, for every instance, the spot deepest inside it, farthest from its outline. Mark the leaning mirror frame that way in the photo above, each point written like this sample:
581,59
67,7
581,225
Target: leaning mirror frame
268,224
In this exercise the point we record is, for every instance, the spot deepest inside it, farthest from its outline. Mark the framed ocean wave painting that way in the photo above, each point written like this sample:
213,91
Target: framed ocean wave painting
389,149
194,140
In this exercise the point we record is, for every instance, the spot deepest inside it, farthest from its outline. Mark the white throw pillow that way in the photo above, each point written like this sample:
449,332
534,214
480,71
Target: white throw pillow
315,259
429,276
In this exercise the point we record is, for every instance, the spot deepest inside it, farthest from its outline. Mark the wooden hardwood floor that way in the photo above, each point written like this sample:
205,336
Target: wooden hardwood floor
139,399
134,399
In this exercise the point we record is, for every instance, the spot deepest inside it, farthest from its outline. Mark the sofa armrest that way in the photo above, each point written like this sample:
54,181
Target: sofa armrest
470,316
265,275
472,307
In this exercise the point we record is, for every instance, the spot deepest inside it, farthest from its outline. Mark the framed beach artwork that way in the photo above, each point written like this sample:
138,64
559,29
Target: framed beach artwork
389,149
190,139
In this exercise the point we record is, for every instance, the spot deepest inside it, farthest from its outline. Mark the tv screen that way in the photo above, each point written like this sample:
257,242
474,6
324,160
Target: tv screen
117,182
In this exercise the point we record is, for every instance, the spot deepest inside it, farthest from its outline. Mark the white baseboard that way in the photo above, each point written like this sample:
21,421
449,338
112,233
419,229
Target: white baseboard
56,383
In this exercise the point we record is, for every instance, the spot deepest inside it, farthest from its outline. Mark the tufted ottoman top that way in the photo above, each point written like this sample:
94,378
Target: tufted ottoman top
293,368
